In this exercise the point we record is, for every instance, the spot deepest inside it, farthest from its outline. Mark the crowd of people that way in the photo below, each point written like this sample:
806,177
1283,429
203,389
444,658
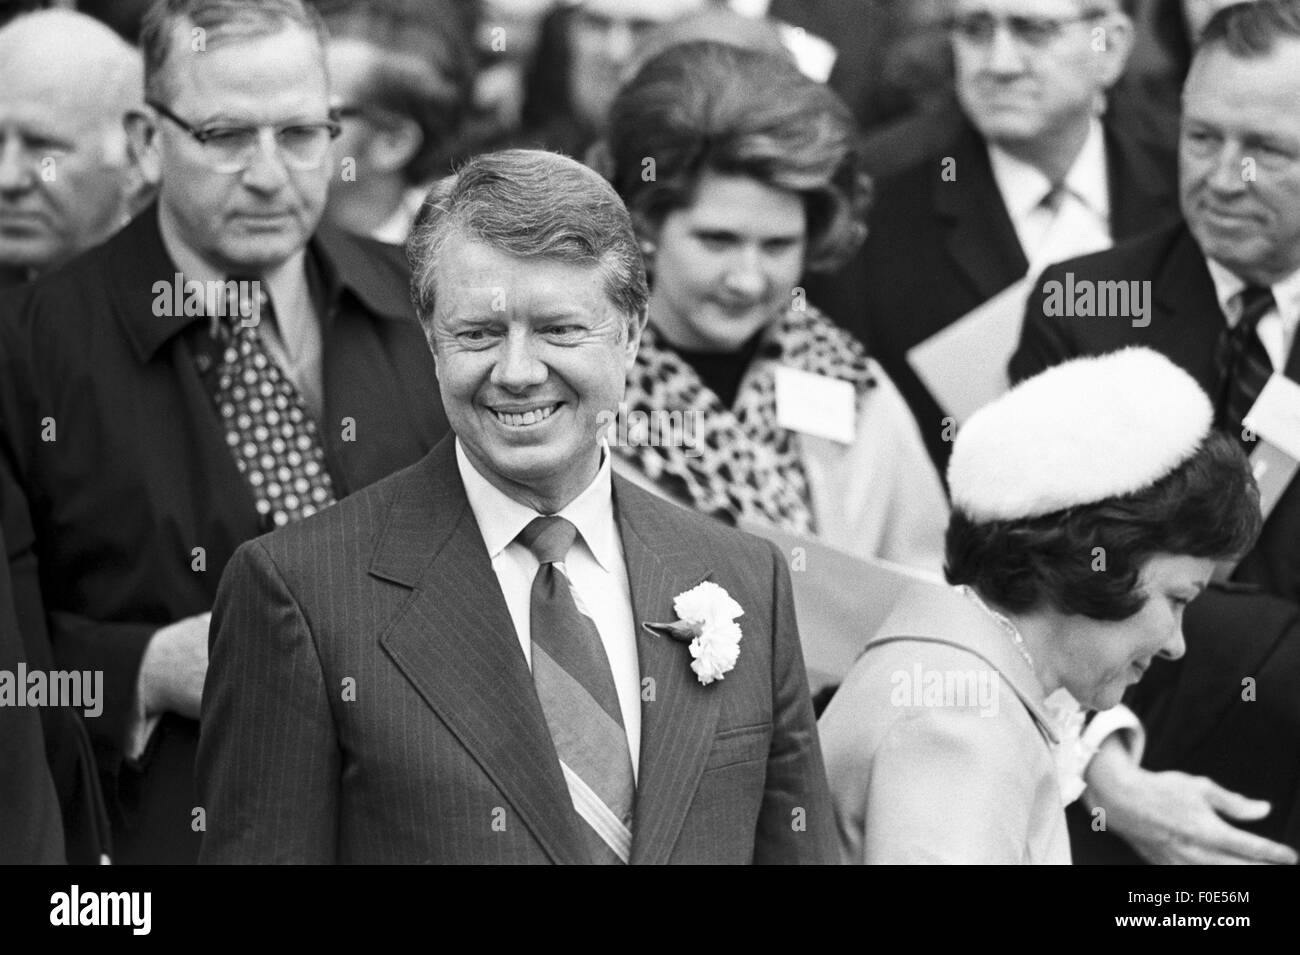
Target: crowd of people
395,396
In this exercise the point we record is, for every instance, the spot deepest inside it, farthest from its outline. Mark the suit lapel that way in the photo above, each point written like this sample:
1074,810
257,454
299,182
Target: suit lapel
1141,185
679,717
1188,321
455,642
980,238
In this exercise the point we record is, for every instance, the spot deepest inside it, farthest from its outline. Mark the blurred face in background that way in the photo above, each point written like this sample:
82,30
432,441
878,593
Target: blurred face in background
67,179
1026,70
725,267
253,218
602,37
1239,160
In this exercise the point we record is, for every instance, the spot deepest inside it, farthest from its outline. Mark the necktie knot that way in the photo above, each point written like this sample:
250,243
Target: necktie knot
1256,302
248,303
1055,197
549,538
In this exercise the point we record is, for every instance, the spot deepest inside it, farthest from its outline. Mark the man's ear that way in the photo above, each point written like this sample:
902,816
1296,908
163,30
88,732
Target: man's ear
142,144
1112,42
635,326
394,146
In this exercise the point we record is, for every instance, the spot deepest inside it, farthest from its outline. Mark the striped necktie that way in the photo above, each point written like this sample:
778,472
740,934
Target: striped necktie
576,687
1243,364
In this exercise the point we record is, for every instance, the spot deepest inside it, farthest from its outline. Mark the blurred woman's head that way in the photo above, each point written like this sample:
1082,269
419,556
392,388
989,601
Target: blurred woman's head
740,173
1035,531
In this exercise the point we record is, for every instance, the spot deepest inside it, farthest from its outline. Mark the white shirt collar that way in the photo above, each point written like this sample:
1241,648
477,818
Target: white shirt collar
501,518
395,229
1024,186
1228,285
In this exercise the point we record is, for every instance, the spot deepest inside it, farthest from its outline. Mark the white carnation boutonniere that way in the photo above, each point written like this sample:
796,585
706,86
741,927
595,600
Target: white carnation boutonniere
707,621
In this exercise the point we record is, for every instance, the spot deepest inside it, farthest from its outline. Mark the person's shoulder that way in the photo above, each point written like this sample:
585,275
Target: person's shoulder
1138,256
376,272
346,527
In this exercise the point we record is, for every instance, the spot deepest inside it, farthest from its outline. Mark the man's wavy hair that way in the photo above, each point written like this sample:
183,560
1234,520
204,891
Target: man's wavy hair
530,204
1087,560
1251,30
705,106
220,21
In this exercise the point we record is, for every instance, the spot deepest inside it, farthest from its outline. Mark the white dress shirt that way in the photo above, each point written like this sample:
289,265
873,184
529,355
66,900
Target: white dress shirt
1277,328
1079,225
595,567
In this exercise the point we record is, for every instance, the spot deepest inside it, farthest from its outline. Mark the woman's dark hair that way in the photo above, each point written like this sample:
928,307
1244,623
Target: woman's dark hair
711,107
1086,560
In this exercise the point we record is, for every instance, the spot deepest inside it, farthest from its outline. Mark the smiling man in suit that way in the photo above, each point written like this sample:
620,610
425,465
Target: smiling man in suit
455,665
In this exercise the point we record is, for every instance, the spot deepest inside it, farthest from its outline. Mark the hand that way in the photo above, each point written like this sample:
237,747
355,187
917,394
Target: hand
173,668
1173,818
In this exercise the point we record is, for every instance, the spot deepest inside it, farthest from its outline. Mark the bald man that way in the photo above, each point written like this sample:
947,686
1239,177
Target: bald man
67,177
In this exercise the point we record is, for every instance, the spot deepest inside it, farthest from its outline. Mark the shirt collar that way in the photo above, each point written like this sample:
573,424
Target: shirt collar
280,280
1228,285
1023,186
397,226
347,265
501,518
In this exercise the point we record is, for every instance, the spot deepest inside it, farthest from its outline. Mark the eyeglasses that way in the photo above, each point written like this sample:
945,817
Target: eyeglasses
233,148
981,27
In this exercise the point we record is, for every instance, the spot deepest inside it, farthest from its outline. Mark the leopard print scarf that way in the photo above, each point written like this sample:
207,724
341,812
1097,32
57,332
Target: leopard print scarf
742,466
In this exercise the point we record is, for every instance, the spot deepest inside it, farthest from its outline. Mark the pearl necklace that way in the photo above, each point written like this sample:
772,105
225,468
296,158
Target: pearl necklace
1007,626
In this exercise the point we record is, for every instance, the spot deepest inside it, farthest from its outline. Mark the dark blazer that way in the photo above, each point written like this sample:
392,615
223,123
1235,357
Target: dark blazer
1185,326
443,755
31,830
138,477
935,250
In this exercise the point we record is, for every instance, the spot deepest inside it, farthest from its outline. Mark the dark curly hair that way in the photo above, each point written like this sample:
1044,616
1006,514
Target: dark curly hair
1207,507
705,106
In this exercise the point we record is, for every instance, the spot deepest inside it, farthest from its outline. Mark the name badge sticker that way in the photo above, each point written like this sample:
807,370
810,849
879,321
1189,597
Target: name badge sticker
815,405
1275,416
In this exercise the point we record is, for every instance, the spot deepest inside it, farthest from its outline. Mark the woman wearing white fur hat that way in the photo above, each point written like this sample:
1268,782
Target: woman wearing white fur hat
1090,505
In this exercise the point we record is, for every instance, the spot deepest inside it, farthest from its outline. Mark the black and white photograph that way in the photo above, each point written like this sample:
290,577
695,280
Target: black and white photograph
619,432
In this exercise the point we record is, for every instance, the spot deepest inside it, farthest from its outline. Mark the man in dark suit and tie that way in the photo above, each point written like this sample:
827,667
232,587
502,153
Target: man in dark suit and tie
1037,171
1224,303
218,368
504,653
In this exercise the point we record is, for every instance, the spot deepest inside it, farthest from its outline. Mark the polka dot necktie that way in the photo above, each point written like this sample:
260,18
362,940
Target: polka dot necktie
271,436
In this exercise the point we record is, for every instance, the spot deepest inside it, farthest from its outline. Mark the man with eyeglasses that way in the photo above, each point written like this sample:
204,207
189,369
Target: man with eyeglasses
1037,170
221,367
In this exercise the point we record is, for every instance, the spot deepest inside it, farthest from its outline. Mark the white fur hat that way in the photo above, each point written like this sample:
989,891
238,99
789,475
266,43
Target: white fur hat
1078,433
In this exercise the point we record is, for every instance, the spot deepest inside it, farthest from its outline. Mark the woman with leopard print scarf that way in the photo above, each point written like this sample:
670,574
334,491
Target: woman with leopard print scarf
752,179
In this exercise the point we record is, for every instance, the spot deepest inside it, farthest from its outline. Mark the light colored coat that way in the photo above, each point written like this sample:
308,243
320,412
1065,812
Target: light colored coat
918,773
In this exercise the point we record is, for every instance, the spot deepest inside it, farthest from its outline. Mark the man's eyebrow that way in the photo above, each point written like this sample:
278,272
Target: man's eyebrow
552,313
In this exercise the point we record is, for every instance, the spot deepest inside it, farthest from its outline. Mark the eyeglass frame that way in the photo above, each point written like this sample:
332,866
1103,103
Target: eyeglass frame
202,135
1016,25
